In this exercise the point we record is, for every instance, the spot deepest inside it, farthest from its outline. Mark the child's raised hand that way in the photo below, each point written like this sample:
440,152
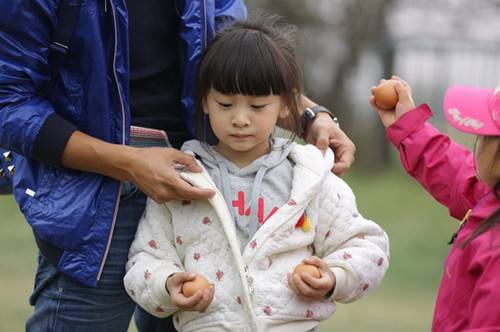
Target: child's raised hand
197,302
309,288
405,102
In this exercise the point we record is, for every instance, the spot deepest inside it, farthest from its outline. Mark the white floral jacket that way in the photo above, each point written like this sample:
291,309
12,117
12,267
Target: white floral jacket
251,287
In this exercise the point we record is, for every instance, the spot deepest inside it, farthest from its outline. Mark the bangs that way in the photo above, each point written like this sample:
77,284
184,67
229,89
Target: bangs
248,64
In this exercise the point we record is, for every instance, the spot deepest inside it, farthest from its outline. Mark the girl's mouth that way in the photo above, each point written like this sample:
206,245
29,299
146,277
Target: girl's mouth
240,136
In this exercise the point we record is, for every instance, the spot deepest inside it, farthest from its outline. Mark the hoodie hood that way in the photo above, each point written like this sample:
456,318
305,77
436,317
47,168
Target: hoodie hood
280,150
249,190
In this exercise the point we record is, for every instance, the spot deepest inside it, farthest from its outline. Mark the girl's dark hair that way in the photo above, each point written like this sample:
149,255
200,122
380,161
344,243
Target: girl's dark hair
488,223
254,58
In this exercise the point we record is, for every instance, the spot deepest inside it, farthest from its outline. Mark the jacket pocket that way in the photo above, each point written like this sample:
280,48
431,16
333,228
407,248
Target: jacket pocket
63,213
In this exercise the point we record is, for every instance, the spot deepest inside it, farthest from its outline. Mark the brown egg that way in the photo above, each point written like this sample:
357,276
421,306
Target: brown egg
385,95
307,268
189,288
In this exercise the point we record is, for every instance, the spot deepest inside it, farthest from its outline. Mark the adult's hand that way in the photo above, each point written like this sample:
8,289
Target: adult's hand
151,169
324,132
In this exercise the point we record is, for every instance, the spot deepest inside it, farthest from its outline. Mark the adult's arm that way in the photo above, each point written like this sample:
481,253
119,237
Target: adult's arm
26,118
31,127
153,170
324,132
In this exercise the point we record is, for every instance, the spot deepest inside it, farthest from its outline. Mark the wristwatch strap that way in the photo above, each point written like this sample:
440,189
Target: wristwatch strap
310,113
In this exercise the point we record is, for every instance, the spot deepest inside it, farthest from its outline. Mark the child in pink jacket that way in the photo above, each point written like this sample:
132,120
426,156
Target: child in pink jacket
466,182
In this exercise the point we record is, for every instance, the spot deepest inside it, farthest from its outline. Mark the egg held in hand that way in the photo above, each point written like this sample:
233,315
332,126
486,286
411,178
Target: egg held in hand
189,288
307,268
386,96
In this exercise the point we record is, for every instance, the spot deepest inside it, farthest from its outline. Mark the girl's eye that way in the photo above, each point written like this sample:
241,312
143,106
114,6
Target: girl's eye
224,105
258,106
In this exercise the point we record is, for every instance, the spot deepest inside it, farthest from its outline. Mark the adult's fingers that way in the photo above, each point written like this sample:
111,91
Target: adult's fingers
344,156
322,139
170,186
186,160
184,190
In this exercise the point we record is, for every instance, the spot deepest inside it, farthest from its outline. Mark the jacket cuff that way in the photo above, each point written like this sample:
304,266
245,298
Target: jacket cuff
159,291
340,290
407,124
51,140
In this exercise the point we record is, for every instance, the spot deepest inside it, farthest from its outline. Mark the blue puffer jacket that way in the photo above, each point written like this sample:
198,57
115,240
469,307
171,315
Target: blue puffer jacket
74,212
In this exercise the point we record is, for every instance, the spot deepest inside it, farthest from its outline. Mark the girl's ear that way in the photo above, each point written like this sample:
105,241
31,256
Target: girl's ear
284,112
205,106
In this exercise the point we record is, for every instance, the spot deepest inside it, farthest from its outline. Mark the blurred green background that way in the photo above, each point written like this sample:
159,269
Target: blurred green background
418,229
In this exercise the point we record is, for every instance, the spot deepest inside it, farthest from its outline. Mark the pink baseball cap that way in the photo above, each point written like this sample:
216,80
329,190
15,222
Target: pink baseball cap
473,110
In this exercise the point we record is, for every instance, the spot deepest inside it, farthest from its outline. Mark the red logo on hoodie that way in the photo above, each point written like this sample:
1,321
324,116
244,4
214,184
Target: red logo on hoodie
239,203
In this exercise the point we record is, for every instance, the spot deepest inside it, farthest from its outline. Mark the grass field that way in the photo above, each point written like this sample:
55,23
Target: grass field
418,229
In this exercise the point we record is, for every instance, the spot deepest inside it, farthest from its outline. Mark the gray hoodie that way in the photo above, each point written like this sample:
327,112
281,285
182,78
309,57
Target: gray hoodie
252,193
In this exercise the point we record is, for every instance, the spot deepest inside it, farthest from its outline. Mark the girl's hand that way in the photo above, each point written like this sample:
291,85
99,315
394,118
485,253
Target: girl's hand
198,302
309,288
404,105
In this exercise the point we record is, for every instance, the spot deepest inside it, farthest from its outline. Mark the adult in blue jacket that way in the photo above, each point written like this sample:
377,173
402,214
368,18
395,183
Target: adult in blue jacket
78,182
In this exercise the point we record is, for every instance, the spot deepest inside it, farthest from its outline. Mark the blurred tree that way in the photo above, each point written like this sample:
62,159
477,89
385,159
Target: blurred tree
338,32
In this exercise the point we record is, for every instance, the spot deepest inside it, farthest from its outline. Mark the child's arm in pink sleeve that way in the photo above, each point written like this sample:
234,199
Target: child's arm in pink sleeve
445,169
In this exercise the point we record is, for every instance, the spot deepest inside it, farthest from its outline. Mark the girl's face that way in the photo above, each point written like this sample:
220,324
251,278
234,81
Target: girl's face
487,153
243,124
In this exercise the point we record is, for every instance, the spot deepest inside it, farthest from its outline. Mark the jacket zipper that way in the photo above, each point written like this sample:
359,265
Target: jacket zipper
115,213
462,223
243,269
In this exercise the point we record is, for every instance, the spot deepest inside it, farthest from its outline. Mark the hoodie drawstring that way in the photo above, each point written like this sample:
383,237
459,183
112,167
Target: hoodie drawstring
226,188
254,220
257,183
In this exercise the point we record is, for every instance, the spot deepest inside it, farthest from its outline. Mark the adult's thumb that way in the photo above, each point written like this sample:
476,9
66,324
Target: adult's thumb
188,161
322,140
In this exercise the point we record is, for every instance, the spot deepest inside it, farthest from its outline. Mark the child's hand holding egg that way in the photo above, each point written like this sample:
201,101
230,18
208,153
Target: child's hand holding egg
199,283
386,96
312,270
391,99
312,279
189,291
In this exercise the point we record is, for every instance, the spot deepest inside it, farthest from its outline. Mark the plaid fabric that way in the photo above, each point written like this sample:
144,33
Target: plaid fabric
147,137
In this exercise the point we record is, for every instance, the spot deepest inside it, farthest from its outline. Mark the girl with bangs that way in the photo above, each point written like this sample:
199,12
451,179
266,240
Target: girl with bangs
277,205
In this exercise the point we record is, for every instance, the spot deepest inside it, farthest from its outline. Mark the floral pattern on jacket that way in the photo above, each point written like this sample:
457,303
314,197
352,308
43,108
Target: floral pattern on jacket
251,286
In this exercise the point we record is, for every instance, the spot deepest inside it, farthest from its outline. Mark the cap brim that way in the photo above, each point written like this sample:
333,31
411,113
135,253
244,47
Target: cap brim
470,110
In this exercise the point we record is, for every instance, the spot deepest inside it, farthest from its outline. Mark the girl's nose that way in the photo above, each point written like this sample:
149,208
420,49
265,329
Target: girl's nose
240,119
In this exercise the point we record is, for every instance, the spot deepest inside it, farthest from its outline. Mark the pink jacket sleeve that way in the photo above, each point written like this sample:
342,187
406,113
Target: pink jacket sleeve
445,169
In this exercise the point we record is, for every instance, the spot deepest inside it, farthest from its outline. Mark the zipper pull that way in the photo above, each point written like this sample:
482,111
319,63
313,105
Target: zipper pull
467,214
462,222
105,6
